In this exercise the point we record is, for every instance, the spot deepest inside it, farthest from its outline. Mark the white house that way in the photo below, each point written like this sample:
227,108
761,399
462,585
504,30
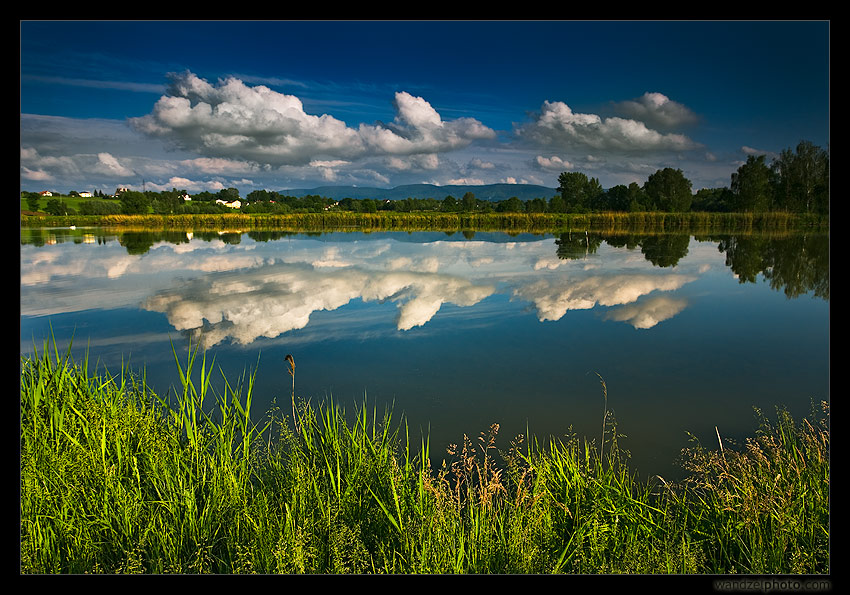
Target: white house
85,194
232,204
46,193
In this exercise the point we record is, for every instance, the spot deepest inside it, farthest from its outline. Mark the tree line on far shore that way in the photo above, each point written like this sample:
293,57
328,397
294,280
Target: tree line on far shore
796,181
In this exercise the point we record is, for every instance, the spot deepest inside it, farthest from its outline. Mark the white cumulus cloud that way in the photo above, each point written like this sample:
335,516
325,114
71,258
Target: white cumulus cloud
236,121
557,125
109,165
656,109
553,163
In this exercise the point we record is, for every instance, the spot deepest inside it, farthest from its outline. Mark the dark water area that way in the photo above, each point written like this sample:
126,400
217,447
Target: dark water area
459,331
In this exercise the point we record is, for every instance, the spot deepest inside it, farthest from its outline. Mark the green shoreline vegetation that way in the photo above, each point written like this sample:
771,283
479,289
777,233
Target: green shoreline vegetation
450,222
790,192
118,479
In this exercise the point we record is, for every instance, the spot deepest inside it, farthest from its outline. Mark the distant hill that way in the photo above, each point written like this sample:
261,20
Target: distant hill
492,192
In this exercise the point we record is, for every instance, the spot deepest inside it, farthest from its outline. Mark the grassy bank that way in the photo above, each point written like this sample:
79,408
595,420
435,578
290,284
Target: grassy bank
114,479
433,221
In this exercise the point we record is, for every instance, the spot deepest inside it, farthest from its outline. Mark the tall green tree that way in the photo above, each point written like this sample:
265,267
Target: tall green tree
134,202
535,205
511,205
716,200
168,202
637,198
669,190
228,194
204,196
752,187
579,192
258,196
623,198
557,204
32,201
350,204
469,202
57,207
802,179
616,198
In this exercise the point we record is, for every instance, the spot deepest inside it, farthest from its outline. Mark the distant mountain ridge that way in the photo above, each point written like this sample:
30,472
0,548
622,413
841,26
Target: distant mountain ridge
491,192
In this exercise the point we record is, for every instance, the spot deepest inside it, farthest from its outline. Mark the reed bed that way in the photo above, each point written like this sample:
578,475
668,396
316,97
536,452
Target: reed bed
439,221
117,479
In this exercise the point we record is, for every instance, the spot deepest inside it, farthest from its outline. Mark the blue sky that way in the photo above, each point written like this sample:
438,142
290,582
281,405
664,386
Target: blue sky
277,105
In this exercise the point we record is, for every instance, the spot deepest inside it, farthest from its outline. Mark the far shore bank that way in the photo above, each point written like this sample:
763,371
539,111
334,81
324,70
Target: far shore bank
436,221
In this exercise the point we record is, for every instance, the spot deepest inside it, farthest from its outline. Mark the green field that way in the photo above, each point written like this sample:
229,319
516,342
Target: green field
72,201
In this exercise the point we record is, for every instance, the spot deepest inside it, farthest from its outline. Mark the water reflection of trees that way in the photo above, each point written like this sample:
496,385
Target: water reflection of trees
575,245
269,236
139,242
663,250
49,236
795,263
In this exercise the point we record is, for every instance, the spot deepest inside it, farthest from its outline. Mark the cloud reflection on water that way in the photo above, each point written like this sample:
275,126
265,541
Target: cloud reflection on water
249,290
275,299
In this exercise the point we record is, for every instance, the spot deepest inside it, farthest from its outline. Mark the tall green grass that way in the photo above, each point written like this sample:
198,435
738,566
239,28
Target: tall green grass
117,479
437,221
765,507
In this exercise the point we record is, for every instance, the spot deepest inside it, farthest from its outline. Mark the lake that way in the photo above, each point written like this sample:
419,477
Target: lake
459,331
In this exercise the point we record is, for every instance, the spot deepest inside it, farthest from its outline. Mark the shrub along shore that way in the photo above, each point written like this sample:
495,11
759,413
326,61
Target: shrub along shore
118,479
436,221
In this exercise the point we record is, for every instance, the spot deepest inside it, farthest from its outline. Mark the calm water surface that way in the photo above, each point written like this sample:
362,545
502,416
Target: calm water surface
460,331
